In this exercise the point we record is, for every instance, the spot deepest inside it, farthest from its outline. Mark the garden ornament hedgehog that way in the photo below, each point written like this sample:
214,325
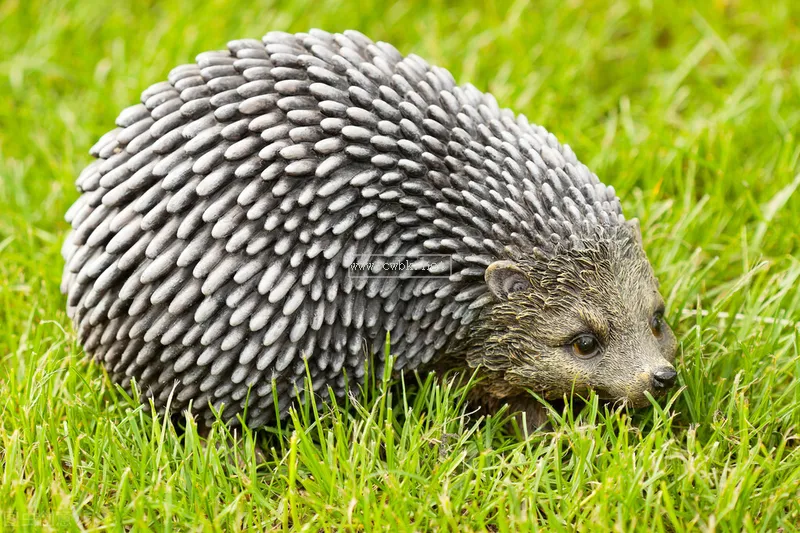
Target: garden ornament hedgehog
216,245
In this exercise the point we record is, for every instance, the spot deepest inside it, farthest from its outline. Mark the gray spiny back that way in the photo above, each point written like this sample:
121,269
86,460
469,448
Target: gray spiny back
212,240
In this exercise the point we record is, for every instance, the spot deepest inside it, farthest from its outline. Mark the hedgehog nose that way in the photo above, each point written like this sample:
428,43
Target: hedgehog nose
664,377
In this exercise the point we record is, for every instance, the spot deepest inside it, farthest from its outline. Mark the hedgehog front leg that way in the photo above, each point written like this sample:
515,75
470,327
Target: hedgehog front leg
490,394
529,414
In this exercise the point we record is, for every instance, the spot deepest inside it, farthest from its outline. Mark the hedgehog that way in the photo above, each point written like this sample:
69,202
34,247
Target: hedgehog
217,248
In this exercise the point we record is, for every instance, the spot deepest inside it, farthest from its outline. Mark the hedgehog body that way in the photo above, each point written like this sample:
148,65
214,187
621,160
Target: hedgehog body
212,250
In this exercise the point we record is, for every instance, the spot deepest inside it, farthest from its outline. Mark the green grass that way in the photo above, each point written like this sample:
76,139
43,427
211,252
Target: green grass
692,113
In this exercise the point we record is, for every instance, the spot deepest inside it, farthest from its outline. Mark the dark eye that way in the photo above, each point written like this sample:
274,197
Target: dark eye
585,345
657,325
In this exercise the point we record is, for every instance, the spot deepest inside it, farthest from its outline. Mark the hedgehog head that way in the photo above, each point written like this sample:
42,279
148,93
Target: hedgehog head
587,315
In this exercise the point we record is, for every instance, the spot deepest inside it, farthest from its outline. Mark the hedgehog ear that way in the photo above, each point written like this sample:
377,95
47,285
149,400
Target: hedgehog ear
504,278
636,230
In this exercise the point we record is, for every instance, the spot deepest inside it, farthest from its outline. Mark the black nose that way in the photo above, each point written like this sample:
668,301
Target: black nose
664,377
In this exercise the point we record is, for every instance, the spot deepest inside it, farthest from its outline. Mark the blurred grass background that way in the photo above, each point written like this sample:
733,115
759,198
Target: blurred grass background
691,111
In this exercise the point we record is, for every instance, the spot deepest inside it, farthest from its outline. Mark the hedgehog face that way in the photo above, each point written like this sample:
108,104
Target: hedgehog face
590,317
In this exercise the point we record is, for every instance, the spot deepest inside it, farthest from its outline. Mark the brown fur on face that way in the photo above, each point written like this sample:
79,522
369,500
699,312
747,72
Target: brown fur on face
602,286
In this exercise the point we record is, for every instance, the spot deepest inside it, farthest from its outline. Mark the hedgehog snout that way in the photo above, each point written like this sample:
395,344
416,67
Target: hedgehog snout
656,379
664,377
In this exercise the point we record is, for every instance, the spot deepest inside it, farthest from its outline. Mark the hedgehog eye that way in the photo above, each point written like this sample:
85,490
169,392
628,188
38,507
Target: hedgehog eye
585,345
657,325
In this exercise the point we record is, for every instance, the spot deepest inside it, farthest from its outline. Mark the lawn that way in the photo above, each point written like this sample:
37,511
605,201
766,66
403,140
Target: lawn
691,112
